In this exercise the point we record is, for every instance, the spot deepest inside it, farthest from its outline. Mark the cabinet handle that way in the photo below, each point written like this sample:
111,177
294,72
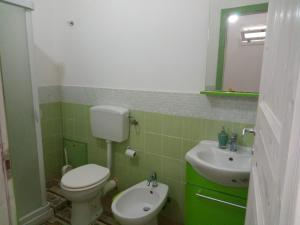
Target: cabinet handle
221,201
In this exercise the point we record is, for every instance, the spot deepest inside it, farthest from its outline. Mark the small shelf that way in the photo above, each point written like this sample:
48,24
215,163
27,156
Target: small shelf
231,93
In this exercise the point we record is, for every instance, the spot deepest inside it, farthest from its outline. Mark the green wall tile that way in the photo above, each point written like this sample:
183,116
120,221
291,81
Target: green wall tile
136,139
140,117
51,125
151,163
192,128
172,147
173,169
153,122
212,128
67,110
121,173
187,145
68,127
172,125
175,208
119,156
97,151
153,143
133,168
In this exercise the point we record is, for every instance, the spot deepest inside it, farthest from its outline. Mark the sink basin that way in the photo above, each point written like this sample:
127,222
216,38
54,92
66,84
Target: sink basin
221,165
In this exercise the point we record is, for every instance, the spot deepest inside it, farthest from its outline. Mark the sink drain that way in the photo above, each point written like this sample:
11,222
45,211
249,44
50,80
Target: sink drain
146,208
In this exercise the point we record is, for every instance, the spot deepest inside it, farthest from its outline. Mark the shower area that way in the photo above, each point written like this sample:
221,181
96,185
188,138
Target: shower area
22,179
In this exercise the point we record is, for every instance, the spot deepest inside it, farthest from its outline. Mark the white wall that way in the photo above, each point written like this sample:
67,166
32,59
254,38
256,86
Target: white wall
129,44
44,32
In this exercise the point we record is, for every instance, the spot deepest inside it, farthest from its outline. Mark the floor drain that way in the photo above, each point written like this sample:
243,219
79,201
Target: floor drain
146,208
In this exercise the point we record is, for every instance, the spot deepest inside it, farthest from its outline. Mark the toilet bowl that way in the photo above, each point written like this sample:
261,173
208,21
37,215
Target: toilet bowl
140,204
83,187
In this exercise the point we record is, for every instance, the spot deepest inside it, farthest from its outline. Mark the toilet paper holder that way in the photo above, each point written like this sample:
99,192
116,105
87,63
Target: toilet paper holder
129,152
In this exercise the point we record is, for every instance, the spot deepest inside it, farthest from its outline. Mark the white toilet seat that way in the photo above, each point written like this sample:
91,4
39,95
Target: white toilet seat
80,189
84,177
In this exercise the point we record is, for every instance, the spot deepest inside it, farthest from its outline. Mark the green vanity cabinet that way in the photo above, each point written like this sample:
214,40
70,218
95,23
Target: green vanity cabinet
208,203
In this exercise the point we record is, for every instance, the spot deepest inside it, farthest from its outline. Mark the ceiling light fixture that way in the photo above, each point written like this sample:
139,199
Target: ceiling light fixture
233,18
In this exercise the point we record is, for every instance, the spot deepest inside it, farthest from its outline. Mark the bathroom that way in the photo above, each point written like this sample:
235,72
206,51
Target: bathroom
127,112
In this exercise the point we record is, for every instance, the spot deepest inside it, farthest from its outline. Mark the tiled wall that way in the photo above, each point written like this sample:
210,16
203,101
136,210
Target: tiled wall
51,121
161,142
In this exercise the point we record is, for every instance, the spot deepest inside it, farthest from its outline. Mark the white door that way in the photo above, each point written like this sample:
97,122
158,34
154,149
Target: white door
275,174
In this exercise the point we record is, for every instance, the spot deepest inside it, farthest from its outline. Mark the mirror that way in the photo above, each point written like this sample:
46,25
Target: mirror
237,34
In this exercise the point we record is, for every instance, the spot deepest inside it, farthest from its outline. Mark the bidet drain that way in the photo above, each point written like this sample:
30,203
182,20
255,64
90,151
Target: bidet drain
146,208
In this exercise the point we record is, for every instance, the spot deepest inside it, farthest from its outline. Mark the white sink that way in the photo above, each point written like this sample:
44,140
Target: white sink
221,165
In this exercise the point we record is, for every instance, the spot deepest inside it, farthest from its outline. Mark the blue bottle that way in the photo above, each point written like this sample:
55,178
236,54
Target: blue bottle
223,139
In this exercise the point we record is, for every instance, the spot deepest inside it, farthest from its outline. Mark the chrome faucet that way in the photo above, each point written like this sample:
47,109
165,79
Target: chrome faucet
233,142
152,179
248,130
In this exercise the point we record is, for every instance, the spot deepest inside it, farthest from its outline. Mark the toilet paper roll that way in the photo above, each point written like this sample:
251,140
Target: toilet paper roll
130,153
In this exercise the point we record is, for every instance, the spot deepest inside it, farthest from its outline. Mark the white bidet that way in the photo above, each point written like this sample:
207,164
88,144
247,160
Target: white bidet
140,204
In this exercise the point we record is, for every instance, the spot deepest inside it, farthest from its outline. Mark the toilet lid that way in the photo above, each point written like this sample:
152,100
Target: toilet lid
85,176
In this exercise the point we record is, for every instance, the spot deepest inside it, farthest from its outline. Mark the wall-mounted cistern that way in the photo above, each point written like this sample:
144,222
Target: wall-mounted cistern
110,123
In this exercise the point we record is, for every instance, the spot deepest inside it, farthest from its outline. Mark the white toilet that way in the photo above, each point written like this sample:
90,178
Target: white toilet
140,204
84,185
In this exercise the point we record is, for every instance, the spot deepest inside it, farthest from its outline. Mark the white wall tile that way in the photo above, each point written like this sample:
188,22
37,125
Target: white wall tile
234,109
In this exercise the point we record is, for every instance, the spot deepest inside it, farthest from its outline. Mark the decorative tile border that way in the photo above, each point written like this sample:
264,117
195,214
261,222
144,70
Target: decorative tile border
233,109
49,94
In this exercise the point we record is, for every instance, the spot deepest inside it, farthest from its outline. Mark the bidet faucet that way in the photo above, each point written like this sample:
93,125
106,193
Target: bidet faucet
233,142
152,179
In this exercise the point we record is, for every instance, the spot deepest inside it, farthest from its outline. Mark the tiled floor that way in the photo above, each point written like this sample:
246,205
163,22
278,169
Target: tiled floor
55,221
62,209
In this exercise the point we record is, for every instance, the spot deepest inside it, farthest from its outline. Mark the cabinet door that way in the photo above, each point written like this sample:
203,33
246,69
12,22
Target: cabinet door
206,207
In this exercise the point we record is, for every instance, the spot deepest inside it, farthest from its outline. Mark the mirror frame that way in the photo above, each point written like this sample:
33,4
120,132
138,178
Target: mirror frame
225,13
